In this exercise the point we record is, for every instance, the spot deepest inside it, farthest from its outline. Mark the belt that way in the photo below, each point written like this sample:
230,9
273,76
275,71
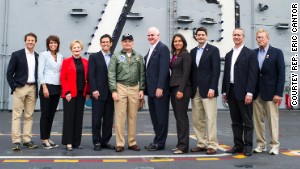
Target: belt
30,84
127,85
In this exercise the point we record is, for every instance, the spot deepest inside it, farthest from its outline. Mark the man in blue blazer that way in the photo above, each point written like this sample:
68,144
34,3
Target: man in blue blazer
205,78
268,92
102,102
157,88
240,75
22,79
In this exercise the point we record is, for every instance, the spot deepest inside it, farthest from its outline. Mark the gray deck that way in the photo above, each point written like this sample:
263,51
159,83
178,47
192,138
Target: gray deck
60,158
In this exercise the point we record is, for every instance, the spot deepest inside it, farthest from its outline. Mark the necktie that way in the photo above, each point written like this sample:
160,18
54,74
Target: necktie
107,59
198,56
261,57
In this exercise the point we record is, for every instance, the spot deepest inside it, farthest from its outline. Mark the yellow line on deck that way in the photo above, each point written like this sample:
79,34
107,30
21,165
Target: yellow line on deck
239,156
66,161
162,160
115,161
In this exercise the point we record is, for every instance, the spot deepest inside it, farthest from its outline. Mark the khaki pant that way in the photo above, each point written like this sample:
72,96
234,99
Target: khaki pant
270,109
24,99
204,114
126,106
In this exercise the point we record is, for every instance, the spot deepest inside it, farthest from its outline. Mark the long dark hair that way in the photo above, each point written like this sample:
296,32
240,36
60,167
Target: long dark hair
173,51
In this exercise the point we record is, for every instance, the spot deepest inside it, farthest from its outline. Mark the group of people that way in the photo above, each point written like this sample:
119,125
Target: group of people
252,85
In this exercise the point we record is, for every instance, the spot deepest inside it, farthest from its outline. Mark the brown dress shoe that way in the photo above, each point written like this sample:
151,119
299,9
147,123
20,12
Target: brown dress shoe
198,149
119,149
211,151
134,147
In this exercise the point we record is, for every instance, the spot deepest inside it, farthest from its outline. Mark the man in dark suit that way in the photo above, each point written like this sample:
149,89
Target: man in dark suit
157,88
240,73
268,92
22,79
205,77
102,103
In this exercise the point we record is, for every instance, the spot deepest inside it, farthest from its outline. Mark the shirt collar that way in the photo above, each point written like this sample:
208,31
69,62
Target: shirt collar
239,48
203,47
105,54
27,51
124,52
265,49
153,46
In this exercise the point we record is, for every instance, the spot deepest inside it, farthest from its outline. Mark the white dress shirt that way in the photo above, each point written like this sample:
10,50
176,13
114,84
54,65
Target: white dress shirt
152,47
235,54
31,66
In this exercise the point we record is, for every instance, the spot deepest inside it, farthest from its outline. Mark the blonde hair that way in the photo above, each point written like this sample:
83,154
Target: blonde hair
263,31
76,41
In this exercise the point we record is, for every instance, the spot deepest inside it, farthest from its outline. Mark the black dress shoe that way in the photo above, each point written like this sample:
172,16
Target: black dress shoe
248,151
234,150
146,147
153,147
97,147
108,146
78,147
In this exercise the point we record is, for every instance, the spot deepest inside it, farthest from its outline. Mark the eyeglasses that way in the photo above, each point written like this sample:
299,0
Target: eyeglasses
151,35
260,37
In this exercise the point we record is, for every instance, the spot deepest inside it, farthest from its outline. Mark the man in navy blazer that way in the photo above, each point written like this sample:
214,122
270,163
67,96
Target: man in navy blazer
157,88
268,92
102,102
205,74
240,74
22,79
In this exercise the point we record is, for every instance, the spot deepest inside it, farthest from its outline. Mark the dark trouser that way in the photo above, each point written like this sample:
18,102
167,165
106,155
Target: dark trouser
180,108
159,113
242,121
102,118
72,122
48,109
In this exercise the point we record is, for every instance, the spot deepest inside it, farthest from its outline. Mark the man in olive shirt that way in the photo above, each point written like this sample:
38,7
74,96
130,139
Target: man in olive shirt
127,83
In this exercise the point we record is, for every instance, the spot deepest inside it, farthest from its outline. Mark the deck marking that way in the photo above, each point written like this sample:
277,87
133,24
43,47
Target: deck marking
207,159
239,156
293,153
66,161
15,161
115,161
163,160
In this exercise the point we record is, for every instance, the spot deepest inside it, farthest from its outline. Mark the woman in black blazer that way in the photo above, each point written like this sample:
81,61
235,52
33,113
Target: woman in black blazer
180,90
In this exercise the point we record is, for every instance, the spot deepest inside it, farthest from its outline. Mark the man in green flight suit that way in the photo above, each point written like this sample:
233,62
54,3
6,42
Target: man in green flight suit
127,83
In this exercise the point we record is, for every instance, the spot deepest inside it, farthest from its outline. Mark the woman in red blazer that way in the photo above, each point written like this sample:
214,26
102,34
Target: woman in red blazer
73,79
